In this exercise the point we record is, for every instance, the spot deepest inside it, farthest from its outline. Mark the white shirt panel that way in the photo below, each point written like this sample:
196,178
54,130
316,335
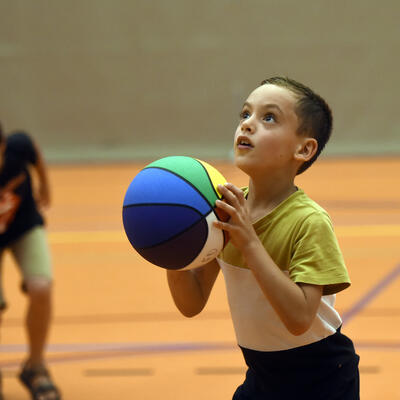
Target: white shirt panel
257,325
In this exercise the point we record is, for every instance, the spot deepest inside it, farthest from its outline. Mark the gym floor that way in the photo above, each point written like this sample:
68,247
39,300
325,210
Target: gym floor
116,333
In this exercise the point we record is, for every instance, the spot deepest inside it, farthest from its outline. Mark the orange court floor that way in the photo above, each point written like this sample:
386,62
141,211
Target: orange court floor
116,333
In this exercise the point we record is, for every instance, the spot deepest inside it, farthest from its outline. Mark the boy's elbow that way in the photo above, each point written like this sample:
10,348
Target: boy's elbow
297,331
297,328
190,312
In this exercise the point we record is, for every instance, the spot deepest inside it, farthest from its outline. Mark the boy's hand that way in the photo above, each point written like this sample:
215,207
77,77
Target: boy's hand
239,226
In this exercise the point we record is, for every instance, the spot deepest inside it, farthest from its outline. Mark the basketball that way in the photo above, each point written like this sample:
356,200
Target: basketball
168,213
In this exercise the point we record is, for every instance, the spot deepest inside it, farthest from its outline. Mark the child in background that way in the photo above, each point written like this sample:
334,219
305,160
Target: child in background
22,232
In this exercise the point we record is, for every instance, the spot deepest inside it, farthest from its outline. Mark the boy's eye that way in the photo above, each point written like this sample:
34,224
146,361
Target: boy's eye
270,118
244,115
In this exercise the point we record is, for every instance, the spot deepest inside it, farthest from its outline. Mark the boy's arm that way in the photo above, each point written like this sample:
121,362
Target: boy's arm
191,289
295,304
44,187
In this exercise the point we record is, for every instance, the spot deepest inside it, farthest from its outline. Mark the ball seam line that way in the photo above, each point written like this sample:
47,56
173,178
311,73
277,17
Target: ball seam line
190,183
167,204
209,178
176,235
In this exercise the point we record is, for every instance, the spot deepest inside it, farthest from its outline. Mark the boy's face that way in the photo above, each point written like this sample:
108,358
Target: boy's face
266,138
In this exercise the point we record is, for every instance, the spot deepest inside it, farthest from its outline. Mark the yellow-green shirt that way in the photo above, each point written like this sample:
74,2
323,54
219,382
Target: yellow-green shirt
299,237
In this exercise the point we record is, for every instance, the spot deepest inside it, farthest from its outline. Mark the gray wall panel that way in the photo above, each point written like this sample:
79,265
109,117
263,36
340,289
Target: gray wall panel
142,79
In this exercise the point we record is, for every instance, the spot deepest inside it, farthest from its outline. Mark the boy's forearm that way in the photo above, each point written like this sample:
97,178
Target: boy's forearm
191,289
186,292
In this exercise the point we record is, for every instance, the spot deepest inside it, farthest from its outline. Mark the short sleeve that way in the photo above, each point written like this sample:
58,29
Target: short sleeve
317,258
22,144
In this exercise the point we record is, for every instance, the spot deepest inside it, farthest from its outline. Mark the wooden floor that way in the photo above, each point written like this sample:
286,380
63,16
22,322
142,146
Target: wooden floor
116,333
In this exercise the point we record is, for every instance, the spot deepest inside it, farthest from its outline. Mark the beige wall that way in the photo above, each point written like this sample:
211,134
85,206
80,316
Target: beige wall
112,79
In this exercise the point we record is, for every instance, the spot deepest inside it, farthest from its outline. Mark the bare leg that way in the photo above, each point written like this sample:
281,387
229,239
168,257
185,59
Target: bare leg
31,253
38,319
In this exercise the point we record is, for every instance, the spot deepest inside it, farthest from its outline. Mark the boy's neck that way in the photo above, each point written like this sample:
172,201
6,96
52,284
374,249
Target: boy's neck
266,194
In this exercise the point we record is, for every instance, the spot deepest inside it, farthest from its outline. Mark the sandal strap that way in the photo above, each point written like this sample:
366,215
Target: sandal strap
44,388
31,373
28,375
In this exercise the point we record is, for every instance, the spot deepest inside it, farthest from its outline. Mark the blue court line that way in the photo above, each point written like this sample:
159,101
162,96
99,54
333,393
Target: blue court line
115,350
129,346
85,352
148,348
370,295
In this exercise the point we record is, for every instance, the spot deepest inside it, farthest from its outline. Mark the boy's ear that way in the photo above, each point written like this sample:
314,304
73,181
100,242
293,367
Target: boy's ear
306,149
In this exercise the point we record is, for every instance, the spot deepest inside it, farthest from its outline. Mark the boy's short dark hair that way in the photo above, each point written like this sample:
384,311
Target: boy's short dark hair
314,114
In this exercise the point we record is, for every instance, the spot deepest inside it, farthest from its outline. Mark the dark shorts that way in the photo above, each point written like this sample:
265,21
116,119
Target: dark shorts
325,370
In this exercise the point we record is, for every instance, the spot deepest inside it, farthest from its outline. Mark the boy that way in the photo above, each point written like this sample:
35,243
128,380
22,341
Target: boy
22,232
282,265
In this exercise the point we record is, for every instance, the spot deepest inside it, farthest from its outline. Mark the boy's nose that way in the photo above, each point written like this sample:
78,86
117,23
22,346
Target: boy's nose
248,126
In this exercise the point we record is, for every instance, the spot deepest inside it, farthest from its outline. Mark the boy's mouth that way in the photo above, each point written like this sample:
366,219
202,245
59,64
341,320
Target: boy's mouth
243,142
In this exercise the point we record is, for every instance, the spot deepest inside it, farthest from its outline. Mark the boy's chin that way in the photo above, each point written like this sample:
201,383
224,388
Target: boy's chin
242,164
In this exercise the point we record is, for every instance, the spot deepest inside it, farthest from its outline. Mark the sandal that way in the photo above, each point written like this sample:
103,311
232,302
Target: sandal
39,383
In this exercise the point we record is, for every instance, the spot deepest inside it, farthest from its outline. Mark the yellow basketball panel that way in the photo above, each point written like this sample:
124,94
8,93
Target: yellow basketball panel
216,177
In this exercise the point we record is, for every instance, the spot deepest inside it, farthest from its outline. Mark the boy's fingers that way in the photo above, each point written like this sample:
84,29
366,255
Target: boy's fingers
225,207
226,192
238,193
222,225
229,199
222,188
232,191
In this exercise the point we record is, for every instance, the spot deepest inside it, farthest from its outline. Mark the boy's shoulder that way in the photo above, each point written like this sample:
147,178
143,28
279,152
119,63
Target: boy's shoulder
303,209
301,199
298,203
296,210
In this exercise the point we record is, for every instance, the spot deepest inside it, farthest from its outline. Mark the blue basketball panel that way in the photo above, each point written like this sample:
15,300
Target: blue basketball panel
179,251
157,186
149,225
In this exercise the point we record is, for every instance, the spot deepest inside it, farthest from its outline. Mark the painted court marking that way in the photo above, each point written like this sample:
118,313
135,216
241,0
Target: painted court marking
109,350
89,351
117,236
371,294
